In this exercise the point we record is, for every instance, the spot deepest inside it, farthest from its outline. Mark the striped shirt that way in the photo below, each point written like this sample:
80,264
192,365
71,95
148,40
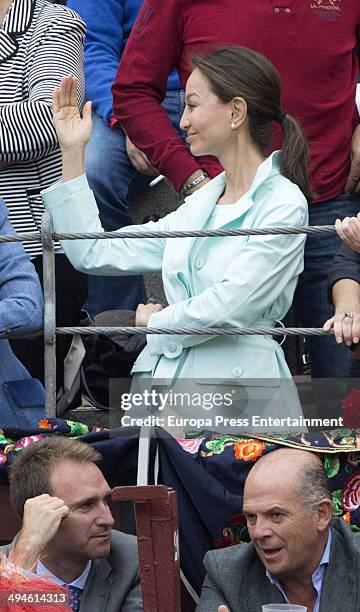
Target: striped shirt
40,43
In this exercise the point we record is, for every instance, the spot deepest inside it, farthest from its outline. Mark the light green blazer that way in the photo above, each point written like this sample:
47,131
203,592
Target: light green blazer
227,281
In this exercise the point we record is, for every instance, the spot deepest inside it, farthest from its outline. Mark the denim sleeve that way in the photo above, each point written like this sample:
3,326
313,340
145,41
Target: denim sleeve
21,301
346,264
103,46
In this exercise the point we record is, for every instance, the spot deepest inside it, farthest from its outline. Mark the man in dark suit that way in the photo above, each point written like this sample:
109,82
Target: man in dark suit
297,555
61,496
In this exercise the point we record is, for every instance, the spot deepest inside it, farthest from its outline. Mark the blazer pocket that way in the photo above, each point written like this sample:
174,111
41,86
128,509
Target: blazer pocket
246,360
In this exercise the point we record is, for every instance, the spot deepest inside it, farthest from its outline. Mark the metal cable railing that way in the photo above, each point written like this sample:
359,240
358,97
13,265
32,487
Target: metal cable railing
183,331
271,231
47,237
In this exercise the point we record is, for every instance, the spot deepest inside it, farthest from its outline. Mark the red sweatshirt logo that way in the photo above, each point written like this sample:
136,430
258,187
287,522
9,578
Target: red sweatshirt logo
326,10
326,5
144,16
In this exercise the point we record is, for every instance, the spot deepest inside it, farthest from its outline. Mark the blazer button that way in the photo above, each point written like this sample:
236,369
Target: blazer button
172,347
237,372
199,263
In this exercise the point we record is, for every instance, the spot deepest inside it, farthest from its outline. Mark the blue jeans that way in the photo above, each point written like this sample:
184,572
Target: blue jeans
115,182
327,358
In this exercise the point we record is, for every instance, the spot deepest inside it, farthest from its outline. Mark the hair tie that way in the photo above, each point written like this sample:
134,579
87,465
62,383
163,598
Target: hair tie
280,117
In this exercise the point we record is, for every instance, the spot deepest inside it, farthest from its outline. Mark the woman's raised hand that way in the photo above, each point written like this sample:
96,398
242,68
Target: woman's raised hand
73,128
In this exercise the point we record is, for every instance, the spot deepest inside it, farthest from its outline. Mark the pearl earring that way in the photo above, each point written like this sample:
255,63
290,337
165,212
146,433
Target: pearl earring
232,125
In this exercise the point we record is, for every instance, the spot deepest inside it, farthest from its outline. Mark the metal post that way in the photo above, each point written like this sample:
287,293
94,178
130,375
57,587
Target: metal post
49,314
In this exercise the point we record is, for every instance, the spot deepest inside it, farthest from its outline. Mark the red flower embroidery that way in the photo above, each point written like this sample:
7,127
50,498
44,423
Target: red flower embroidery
249,451
44,424
351,410
351,493
224,542
239,519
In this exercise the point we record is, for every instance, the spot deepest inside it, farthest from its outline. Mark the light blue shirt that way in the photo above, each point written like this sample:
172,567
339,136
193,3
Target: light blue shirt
79,582
317,577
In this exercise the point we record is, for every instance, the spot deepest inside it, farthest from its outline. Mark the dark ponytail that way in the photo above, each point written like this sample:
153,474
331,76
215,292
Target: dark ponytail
237,71
295,155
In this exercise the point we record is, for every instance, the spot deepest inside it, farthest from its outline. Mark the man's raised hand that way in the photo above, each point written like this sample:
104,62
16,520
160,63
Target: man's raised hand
42,517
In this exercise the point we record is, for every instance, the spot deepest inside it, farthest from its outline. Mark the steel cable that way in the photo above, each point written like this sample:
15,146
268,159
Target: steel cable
184,331
270,231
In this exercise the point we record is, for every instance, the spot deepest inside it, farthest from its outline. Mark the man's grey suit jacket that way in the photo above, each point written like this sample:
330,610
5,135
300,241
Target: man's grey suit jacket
113,583
236,577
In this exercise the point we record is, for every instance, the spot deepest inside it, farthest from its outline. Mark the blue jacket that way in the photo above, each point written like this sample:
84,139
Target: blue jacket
21,304
109,23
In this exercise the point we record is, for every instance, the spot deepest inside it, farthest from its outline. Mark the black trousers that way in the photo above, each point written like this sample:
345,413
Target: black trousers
71,293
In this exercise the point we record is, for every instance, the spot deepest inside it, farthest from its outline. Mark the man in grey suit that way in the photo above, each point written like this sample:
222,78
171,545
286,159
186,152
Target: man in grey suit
298,553
61,496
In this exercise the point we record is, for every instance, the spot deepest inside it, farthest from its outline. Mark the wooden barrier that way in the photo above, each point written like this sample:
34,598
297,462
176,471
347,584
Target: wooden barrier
9,524
157,532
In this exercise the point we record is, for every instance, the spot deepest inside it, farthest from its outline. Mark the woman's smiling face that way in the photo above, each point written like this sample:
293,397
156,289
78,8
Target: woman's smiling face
205,119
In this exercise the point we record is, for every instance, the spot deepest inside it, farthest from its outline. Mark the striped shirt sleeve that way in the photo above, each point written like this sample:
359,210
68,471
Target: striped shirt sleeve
26,128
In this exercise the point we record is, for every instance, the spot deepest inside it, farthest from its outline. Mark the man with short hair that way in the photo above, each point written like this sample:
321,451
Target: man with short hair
297,554
61,496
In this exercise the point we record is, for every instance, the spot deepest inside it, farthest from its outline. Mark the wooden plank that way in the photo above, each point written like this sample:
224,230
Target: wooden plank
9,524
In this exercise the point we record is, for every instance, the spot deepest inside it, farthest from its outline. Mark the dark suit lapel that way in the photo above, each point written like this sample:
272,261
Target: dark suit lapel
339,591
97,587
253,589
261,592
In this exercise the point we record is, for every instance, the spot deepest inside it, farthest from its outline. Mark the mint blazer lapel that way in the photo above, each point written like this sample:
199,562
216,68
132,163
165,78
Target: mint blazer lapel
97,587
198,207
194,214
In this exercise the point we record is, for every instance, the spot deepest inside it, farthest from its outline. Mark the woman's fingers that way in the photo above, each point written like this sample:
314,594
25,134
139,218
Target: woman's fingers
335,323
346,328
62,93
338,328
55,100
86,113
73,91
67,92
351,328
339,229
144,312
356,329
329,324
349,231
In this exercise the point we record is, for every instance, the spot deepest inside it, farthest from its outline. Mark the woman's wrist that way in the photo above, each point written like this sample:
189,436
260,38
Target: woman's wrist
347,306
73,162
196,180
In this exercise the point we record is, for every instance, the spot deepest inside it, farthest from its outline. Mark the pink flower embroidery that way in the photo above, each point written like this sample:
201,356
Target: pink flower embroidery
351,493
24,442
190,446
